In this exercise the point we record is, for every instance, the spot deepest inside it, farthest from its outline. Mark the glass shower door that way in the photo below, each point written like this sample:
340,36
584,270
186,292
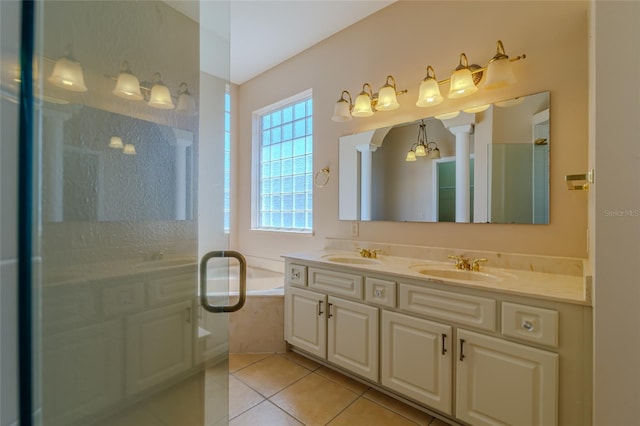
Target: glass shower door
129,133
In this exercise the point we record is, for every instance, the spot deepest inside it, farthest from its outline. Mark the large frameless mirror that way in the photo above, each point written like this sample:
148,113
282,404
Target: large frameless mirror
485,167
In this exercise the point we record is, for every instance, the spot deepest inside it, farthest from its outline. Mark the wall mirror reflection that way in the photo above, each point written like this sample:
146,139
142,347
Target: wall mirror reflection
490,166
103,166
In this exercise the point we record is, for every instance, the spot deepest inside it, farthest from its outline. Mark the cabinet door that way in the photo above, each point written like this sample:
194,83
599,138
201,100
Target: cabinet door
152,353
500,382
416,359
353,336
306,327
82,372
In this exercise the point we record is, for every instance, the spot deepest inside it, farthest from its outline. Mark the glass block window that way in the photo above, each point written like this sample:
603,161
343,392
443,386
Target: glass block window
227,161
285,175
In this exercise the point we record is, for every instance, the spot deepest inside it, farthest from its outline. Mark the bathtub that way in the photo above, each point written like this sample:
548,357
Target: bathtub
260,282
259,325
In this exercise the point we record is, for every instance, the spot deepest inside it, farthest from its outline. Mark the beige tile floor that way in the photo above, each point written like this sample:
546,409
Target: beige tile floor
289,389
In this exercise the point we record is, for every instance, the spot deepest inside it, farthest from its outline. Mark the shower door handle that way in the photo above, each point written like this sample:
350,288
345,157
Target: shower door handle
204,301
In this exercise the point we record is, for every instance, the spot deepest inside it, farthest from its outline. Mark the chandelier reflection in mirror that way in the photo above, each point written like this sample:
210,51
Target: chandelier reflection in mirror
465,80
423,148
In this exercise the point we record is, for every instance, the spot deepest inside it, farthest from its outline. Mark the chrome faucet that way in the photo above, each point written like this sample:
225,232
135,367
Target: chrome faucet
369,253
463,263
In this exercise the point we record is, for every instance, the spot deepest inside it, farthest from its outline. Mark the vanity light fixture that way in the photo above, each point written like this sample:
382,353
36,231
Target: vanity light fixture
367,102
129,149
127,85
447,115
186,101
466,78
116,142
67,73
160,96
423,148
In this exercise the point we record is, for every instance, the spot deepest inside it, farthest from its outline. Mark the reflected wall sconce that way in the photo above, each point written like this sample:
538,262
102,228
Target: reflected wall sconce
155,93
129,149
423,148
116,142
67,73
466,79
367,102
127,84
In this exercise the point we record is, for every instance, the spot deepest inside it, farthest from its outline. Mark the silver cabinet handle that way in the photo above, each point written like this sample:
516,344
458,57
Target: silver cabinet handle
527,325
462,350
320,308
204,301
329,309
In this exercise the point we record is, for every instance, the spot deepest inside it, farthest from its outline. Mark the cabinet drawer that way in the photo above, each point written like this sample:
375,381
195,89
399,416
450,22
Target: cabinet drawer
530,323
336,282
297,275
172,289
123,298
380,292
461,308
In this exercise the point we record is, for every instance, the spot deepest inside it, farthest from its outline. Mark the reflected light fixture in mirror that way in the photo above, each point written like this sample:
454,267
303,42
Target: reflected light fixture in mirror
423,148
475,109
129,149
116,142
186,101
447,115
67,74
127,85
160,95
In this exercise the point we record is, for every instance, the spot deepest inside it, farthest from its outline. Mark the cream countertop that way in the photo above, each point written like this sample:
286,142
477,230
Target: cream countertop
543,285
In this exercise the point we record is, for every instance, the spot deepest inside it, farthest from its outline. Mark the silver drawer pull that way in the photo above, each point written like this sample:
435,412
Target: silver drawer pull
527,325
378,292
295,275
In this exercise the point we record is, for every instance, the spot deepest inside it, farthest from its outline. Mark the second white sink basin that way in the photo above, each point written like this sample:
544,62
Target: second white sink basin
447,272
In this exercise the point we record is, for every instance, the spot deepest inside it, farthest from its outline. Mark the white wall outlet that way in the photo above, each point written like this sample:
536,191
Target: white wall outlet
354,229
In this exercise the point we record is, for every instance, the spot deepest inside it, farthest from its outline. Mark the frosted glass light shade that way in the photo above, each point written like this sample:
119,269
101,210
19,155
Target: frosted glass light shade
67,74
429,93
387,99
116,142
420,151
128,87
186,104
341,111
434,154
499,74
160,97
462,84
129,149
362,107
411,156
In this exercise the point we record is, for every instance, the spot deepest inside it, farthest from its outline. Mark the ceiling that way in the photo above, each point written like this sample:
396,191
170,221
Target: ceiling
265,33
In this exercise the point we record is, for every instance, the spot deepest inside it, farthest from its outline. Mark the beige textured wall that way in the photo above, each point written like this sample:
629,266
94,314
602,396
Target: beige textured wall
402,40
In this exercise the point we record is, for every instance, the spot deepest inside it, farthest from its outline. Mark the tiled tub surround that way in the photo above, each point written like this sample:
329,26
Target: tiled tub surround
516,349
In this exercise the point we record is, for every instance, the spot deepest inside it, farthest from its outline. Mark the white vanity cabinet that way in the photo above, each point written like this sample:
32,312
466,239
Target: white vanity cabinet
341,331
127,346
477,355
416,359
500,382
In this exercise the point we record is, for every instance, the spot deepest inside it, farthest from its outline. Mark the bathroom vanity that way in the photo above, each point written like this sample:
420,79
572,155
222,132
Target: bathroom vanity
495,346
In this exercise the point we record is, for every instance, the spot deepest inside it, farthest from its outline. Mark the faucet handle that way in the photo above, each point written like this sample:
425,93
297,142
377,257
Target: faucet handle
364,252
476,264
461,262
374,253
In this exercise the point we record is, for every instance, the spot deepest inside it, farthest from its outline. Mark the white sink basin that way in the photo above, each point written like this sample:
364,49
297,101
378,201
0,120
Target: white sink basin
351,260
450,272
